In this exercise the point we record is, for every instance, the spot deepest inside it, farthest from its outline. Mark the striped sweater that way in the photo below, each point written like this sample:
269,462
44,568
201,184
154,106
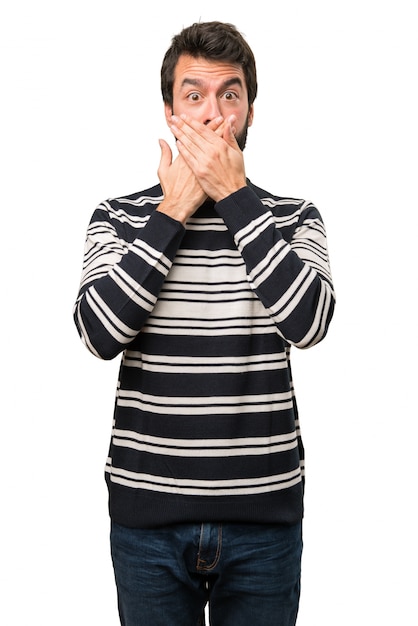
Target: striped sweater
205,423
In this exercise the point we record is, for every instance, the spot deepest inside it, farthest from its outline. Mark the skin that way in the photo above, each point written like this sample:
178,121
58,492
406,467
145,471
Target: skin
210,109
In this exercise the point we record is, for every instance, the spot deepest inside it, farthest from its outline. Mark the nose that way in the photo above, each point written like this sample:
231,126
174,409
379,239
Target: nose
212,109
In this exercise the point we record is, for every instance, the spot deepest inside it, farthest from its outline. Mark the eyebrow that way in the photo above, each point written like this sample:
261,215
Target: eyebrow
197,82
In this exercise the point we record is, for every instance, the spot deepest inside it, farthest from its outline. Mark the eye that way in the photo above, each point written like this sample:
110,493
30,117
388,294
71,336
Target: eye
230,95
194,96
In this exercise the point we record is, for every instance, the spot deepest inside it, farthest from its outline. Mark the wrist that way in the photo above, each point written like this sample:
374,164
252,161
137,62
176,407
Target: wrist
225,193
175,211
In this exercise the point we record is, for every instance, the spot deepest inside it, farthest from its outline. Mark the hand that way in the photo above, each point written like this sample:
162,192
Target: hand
182,192
213,155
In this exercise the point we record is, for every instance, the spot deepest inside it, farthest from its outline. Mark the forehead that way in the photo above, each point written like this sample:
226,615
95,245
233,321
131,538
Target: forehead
197,68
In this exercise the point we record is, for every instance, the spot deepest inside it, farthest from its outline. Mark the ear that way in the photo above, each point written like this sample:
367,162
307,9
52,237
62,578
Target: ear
168,111
250,115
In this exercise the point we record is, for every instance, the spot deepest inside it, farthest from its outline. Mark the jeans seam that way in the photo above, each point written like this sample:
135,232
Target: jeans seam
199,564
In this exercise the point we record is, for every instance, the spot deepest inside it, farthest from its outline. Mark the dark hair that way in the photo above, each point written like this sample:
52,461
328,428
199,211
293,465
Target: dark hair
213,41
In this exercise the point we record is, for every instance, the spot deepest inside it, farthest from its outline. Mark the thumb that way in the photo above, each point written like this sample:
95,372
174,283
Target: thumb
166,156
229,134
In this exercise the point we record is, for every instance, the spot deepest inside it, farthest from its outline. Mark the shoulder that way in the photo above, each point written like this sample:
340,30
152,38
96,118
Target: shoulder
289,212
140,202
148,197
282,204
126,214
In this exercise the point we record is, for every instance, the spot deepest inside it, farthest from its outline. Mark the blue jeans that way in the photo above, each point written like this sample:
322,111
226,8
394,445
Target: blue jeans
249,574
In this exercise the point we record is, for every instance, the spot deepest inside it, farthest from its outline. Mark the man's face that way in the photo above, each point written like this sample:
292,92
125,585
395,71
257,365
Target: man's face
207,89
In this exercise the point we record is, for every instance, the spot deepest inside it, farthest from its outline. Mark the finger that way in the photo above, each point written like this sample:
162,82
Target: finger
196,133
166,155
217,125
229,132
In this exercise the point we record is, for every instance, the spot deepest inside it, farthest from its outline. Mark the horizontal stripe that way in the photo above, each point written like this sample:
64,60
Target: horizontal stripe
198,328
220,295
201,405
209,259
207,365
216,323
142,200
251,446
206,225
189,287
188,487
270,202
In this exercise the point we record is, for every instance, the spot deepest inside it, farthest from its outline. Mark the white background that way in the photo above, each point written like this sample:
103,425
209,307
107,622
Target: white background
335,123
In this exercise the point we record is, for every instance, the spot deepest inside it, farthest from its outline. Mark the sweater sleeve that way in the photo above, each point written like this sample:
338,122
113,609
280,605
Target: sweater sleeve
292,278
121,281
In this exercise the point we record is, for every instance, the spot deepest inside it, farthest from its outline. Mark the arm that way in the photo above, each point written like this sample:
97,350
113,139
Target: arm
121,281
292,280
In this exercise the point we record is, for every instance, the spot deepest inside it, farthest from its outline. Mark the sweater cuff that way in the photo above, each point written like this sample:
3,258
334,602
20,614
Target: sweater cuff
240,208
164,233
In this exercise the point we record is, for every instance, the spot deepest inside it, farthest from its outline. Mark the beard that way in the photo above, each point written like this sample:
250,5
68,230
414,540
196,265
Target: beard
241,137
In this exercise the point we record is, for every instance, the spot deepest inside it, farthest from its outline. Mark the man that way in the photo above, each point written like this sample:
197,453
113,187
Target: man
203,282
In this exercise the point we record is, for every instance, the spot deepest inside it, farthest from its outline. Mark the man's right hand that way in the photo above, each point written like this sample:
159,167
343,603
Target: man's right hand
183,195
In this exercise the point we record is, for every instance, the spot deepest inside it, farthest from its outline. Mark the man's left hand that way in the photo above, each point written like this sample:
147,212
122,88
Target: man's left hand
216,160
